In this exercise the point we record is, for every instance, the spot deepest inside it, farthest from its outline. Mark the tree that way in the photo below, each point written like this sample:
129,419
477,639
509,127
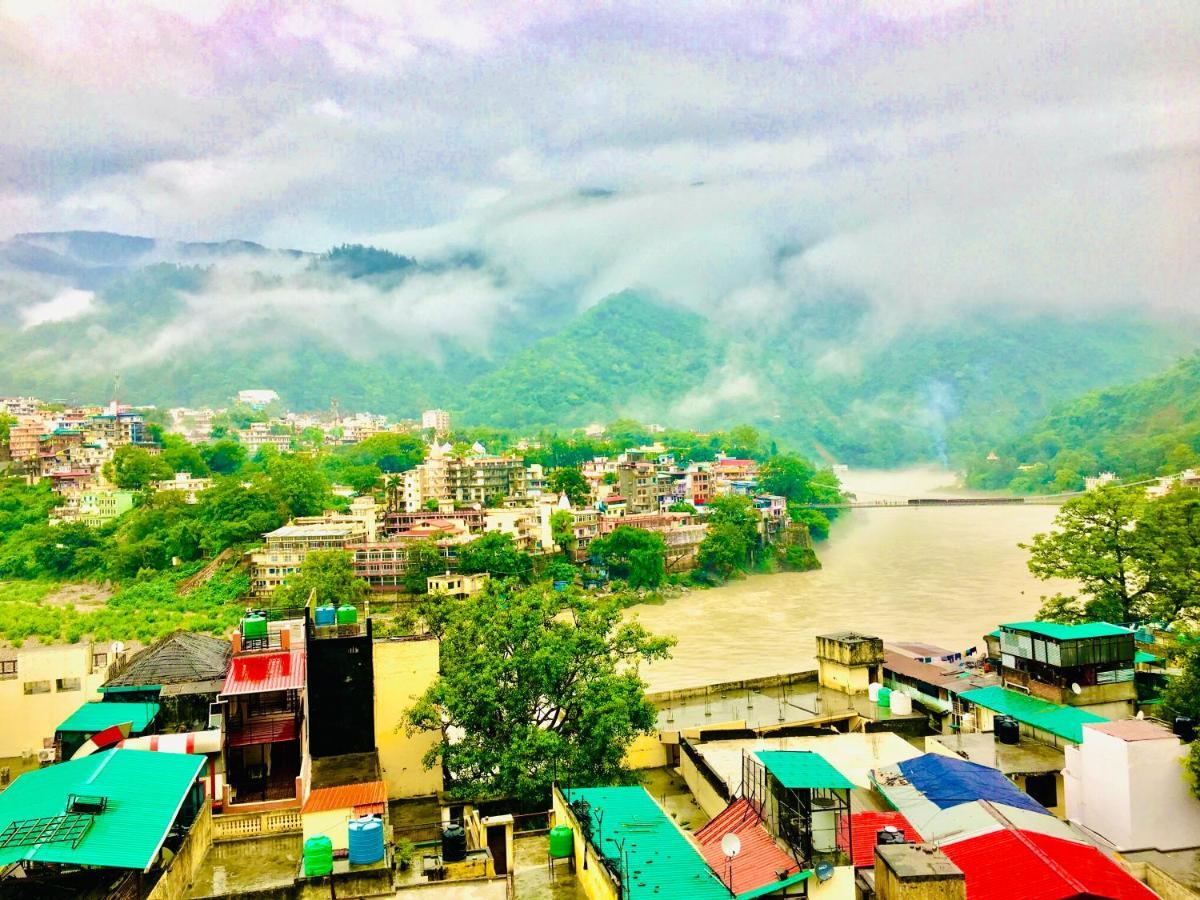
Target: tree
300,483
1170,529
724,550
6,423
535,685
224,457
570,481
328,572
1097,543
134,468
814,520
787,475
424,559
180,456
681,507
562,529
634,554
236,511
495,553
744,441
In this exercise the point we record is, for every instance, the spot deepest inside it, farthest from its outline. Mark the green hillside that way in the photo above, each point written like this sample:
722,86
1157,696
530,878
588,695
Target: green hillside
1150,427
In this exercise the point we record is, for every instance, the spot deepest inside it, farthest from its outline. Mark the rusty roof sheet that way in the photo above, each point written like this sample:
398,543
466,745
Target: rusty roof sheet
760,861
348,796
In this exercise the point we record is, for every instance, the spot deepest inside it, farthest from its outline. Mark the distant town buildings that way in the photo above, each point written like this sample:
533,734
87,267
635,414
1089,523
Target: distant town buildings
437,420
257,398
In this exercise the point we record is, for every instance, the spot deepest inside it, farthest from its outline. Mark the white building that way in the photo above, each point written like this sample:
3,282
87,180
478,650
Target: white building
185,483
1091,482
257,398
437,419
1126,782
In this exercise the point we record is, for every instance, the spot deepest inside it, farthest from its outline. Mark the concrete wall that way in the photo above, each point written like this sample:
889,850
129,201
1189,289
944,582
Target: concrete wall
28,718
646,752
1133,793
333,823
592,879
848,679
404,668
183,868
839,887
707,796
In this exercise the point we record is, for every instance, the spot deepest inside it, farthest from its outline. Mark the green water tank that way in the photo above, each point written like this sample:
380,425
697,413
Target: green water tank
318,855
885,697
254,627
562,842
347,615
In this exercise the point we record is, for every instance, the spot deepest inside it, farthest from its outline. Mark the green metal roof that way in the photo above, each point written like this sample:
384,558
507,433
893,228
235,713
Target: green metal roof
803,769
1141,656
1069,632
1064,721
658,861
794,878
93,717
144,793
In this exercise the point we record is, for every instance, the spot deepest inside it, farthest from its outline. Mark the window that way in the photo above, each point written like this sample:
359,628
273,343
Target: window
37,687
99,660
66,684
8,668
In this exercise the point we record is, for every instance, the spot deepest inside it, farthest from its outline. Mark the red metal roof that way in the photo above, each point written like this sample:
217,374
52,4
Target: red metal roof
760,861
347,796
264,731
257,673
1009,863
865,826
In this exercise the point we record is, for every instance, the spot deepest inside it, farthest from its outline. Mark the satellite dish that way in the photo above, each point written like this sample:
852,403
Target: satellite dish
824,871
118,647
731,845
1141,714
1075,688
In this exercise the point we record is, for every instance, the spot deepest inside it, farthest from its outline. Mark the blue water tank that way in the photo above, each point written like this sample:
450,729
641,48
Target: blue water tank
366,841
326,615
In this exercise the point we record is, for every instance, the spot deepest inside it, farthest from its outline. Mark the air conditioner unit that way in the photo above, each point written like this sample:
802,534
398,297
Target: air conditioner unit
47,755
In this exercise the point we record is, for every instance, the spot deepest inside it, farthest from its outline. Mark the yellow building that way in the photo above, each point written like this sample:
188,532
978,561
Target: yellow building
404,668
849,662
41,686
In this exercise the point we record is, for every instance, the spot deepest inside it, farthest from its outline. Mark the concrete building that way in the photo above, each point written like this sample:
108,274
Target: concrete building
117,428
456,585
404,668
849,661
260,435
917,872
287,547
529,526
41,685
384,565
257,398
484,480
1090,666
185,483
436,419
23,438
94,507
1125,782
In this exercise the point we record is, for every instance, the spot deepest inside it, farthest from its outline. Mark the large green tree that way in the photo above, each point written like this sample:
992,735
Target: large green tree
570,481
535,685
495,553
330,573
1097,543
634,554
424,559
134,468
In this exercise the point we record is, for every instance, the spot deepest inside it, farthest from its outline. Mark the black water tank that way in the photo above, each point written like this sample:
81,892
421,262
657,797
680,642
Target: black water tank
890,835
1185,727
1007,729
454,843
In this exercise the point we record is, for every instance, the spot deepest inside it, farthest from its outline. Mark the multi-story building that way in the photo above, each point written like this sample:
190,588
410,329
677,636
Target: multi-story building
24,438
260,435
384,565
94,507
529,526
1087,666
488,480
194,425
185,483
257,398
41,685
645,485
116,428
19,406
438,420
287,547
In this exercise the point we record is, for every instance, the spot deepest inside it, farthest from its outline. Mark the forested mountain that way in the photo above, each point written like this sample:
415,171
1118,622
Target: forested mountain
190,324
1150,427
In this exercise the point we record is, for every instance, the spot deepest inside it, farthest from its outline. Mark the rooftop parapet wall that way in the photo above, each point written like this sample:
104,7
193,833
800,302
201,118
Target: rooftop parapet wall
850,648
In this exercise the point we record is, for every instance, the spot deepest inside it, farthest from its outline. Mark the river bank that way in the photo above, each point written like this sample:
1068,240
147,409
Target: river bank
942,575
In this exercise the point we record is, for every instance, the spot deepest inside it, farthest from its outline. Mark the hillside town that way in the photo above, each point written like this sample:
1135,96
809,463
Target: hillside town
286,754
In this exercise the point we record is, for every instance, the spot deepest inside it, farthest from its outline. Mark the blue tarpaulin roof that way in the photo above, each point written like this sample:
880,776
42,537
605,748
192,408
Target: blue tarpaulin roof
946,782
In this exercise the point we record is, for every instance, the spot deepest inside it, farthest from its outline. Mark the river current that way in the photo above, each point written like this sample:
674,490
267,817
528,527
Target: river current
944,576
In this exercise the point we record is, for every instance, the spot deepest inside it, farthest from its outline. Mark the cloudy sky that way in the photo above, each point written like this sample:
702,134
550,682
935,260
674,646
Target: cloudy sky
927,156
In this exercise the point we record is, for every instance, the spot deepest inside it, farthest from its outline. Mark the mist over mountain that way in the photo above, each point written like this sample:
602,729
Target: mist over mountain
192,323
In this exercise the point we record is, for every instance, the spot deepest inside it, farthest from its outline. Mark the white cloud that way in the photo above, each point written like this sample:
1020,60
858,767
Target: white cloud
64,306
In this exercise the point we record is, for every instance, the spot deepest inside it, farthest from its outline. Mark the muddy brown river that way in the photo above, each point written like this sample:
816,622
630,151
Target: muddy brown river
944,576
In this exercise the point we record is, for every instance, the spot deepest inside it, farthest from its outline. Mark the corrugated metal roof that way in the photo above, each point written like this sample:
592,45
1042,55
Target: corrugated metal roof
257,673
144,790
947,781
93,717
794,878
798,769
1068,632
1064,721
863,833
760,860
658,861
1016,863
347,796
1142,656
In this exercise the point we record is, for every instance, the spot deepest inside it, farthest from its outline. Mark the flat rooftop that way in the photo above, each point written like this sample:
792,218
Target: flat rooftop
1024,758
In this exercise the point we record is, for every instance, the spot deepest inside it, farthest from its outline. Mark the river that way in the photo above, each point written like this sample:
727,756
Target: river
945,576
